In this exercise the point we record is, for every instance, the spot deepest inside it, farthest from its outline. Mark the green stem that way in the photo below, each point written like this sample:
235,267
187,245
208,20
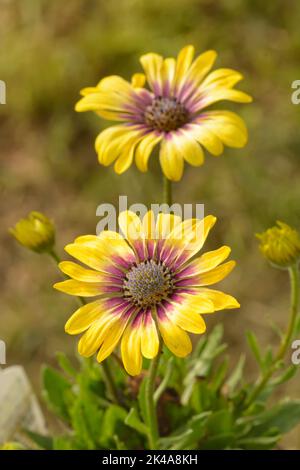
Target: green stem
162,386
167,191
153,434
286,340
110,383
106,372
151,401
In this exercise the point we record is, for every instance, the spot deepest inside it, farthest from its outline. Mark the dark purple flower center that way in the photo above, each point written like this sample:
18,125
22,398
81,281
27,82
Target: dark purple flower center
148,283
166,114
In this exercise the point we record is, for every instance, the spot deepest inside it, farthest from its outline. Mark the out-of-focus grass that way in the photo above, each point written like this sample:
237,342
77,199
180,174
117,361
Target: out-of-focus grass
49,50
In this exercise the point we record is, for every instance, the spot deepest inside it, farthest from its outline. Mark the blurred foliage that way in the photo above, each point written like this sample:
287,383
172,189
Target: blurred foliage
201,404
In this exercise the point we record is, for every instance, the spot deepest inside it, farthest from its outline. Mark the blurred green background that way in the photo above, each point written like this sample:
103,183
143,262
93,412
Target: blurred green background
49,51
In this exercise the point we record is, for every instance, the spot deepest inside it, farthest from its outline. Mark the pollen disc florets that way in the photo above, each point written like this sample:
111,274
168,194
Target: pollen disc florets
166,114
148,283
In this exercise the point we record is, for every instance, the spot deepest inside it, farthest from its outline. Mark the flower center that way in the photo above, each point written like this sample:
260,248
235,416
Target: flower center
148,283
166,114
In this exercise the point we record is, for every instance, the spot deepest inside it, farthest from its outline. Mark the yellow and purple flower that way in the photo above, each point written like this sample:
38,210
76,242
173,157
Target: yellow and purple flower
171,112
149,284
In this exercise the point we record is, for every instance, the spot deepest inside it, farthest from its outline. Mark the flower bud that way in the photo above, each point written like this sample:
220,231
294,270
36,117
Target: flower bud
35,232
280,245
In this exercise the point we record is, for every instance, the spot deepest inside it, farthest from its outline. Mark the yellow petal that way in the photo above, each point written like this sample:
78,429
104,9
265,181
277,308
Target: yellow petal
216,274
205,136
165,224
112,337
84,317
228,127
168,73
220,299
223,77
171,161
175,338
149,337
96,252
152,65
131,349
92,339
145,149
183,62
189,320
148,225
209,260
115,84
201,66
188,148
192,233
138,80
82,289
125,160
131,225
79,273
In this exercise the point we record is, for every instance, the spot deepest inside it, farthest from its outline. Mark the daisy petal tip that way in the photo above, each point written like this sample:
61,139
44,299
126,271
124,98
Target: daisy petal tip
58,286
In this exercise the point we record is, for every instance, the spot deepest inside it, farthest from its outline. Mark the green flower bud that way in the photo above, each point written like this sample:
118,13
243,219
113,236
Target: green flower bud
280,245
35,232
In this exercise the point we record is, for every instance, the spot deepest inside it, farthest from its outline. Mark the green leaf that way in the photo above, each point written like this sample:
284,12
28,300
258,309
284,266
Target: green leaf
220,375
44,442
175,441
284,377
220,422
142,400
56,390
222,441
253,344
201,366
258,443
119,444
112,416
165,381
132,420
65,364
284,416
236,376
65,443
81,414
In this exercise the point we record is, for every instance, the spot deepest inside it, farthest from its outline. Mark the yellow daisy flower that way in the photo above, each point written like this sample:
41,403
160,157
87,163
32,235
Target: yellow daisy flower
171,112
148,285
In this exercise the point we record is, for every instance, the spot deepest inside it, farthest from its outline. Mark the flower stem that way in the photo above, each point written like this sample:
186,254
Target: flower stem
167,191
106,372
294,282
153,434
110,383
